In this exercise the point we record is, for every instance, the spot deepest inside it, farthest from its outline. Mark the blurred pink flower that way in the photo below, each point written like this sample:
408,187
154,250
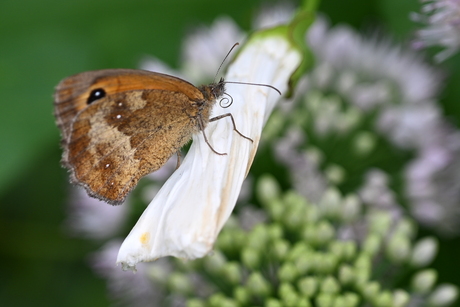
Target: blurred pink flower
442,20
91,218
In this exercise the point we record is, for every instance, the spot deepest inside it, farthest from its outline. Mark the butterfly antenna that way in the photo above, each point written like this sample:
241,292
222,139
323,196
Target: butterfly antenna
236,44
256,84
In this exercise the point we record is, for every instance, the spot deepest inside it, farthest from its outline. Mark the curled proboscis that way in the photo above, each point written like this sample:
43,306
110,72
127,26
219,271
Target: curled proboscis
225,102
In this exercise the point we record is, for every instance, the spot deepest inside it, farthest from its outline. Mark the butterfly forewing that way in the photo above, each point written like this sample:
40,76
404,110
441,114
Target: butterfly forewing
114,141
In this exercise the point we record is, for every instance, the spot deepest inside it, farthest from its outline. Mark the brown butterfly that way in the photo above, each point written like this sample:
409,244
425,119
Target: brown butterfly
119,125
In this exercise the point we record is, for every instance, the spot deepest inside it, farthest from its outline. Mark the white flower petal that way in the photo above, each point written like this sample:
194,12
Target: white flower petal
189,211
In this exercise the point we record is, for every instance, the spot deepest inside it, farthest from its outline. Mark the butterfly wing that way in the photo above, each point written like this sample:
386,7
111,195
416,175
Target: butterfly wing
133,130
72,93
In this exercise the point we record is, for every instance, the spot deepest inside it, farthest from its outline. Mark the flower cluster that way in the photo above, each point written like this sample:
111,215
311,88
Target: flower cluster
370,101
442,20
295,253
308,254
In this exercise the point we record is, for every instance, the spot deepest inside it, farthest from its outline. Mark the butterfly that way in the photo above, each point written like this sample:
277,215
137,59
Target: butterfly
118,125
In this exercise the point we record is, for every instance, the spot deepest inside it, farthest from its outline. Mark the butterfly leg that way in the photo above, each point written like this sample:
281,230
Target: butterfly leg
233,121
178,159
201,126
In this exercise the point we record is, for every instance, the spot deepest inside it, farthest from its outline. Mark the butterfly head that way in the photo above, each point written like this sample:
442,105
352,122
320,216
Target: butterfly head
213,91
218,89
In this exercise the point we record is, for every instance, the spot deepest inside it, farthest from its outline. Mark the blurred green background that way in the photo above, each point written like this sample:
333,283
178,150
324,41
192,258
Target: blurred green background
42,42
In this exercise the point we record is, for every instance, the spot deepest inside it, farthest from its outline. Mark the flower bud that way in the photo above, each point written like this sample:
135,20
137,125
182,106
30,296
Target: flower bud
324,300
194,302
258,238
180,283
336,175
273,302
275,231
371,290
364,143
406,227
349,251
215,262
383,299
276,209
241,295
400,298
288,294
424,280
287,272
380,222
443,295
267,189
303,264
308,286
251,258
298,250
325,232
351,299
258,285
351,208
424,252
219,300
325,263
372,244
398,248
346,275
330,285
330,204
231,273
279,249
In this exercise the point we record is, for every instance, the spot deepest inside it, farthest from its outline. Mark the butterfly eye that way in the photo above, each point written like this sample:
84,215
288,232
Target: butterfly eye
95,95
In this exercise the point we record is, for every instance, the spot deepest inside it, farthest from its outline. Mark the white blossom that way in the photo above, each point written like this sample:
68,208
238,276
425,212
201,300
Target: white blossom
188,212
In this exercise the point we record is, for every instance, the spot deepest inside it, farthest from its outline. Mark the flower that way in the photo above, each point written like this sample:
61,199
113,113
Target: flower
304,168
424,252
433,184
205,48
297,257
442,20
188,212
92,218
202,52
444,295
357,65
131,289
371,100
375,191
